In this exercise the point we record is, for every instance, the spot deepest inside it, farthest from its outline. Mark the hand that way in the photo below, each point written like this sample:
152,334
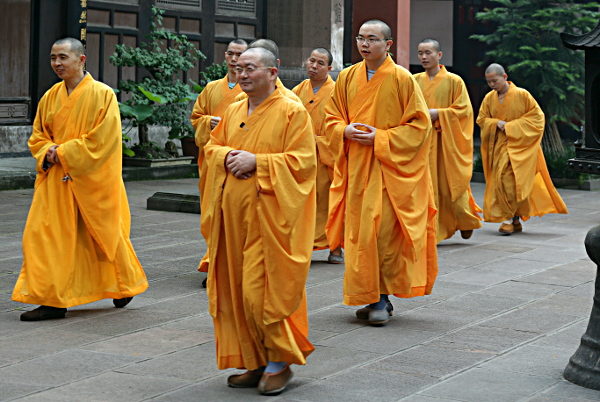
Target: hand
52,155
433,113
214,120
361,133
501,124
240,164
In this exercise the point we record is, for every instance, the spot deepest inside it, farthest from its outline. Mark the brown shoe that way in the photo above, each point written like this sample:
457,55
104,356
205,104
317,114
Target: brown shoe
518,227
249,379
466,234
44,313
120,303
507,229
275,383
363,313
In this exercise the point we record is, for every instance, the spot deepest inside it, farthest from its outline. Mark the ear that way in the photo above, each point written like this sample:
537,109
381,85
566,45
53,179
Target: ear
82,59
440,54
329,68
388,44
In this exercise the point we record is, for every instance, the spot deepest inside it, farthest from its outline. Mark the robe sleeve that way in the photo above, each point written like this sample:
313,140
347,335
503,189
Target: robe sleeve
488,125
40,140
200,117
456,122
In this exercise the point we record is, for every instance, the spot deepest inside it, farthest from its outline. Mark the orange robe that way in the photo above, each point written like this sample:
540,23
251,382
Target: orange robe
516,176
76,246
381,197
260,234
315,105
212,101
451,159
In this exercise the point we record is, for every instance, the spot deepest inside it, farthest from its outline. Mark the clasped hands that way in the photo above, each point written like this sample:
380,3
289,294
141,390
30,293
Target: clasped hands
361,133
52,155
241,164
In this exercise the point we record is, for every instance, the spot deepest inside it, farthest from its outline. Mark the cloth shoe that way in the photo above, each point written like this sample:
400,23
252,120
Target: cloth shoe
275,383
507,229
120,303
44,313
249,379
378,317
363,313
335,259
466,234
518,227
204,283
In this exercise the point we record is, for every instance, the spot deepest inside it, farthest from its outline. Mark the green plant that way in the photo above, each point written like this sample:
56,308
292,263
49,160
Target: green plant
214,72
526,42
160,97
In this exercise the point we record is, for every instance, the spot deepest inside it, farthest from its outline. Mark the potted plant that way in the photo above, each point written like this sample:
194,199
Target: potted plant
159,97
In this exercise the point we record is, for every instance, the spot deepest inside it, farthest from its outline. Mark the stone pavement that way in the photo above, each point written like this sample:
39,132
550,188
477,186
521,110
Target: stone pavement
505,316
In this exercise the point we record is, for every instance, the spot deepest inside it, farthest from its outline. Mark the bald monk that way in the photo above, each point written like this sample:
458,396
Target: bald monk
314,93
273,48
451,158
381,200
76,246
518,185
210,106
258,214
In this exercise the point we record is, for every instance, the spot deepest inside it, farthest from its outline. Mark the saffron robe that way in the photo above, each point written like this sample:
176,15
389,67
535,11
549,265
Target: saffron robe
381,198
516,176
76,246
315,105
451,159
212,101
260,233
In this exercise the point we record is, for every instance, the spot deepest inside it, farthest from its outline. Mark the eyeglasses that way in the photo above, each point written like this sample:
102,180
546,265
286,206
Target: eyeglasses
230,53
249,70
370,41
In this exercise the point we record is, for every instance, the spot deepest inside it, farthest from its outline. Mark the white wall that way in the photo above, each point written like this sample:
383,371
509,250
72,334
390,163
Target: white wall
431,19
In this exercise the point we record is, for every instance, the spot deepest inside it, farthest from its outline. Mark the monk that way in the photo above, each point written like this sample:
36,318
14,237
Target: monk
273,48
381,200
518,184
258,214
210,106
76,246
314,92
451,159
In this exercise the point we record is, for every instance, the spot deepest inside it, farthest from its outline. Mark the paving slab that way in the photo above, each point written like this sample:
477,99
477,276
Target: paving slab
505,315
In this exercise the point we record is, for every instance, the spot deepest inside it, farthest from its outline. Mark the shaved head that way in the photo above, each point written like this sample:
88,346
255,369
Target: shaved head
75,45
266,57
495,68
324,51
434,43
239,42
386,31
265,44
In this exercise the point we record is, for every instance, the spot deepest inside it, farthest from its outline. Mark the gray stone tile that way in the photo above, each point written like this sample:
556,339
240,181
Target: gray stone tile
183,284
109,387
151,342
334,319
9,390
523,319
470,257
327,360
568,338
572,274
551,255
424,398
480,304
200,323
430,360
192,304
483,339
565,391
487,385
63,368
433,319
522,290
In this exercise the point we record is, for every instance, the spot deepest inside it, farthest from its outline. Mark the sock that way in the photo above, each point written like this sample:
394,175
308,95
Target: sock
381,304
275,367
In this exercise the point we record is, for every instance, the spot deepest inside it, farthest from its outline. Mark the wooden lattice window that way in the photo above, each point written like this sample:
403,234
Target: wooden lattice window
194,5
238,8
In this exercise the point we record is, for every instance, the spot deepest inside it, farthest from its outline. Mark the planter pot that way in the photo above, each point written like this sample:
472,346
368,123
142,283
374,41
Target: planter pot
142,162
189,147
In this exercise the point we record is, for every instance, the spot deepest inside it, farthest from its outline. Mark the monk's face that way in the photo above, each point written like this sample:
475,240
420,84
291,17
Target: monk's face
65,63
429,56
377,48
317,66
253,77
234,51
496,81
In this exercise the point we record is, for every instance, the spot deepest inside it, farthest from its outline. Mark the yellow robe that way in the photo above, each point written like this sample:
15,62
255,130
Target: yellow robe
76,246
280,87
315,105
212,101
451,159
516,176
260,234
381,197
